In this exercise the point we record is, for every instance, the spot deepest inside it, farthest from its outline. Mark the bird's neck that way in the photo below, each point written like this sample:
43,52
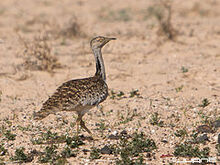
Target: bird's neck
100,68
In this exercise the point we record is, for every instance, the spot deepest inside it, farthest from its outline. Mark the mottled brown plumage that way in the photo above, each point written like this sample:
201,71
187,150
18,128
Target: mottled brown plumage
80,95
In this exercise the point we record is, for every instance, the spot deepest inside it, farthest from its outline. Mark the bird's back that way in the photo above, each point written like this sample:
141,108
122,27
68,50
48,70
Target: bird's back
75,95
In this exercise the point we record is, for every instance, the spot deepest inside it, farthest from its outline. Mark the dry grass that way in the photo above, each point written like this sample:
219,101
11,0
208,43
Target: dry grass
163,13
37,55
73,29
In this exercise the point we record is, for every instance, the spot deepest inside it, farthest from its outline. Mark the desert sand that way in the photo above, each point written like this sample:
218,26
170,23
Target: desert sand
176,78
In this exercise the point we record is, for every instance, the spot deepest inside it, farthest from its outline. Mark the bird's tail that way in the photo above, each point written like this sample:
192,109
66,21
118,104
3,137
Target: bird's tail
40,114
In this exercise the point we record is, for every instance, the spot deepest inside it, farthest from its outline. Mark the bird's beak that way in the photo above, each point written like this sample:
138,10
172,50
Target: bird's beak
109,39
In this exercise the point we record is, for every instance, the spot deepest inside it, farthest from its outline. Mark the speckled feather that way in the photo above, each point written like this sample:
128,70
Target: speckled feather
78,95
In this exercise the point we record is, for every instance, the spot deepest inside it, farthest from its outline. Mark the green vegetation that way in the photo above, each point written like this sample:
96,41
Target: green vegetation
95,154
3,151
117,95
134,93
120,94
128,117
49,155
155,120
9,135
187,150
20,156
129,149
49,137
179,89
73,142
101,126
205,103
181,133
184,70
67,152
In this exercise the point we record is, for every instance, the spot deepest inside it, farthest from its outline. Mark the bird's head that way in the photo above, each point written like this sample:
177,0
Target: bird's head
99,42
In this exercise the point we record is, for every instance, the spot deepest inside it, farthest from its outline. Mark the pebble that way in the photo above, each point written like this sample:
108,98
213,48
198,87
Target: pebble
204,129
85,150
106,150
148,155
124,132
216,124
203,138
113,137
164,141
114,133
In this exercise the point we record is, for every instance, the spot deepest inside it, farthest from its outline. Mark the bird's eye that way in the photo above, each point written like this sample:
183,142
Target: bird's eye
99,39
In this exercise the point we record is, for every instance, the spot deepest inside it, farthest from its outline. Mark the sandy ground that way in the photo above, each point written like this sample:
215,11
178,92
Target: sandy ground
172,77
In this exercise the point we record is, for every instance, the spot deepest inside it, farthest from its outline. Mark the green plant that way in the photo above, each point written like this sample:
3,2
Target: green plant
139,161
3,151
117,95
129,149
9,135
205,103
129,116
184,70
187,150
194,137
20,156
49,137
134,93
155,120
181,133
95,154
49,155
74,142
179,89
67,152
101,126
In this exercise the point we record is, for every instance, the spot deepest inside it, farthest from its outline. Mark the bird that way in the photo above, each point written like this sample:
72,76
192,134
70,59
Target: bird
80,95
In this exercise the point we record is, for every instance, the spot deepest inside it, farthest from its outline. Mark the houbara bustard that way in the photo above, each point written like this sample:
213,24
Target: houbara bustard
80,95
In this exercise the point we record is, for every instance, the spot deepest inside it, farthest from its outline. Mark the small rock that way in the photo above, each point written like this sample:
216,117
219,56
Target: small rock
204,129
216,124
113,137
114,133
148,155
203,138
124,132
164,141
106,150
85,150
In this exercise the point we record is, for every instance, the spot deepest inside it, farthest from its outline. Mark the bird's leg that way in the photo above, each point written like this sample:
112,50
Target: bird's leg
84,126
78,120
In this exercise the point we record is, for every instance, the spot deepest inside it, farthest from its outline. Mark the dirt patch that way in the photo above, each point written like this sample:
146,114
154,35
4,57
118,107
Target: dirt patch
163,78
